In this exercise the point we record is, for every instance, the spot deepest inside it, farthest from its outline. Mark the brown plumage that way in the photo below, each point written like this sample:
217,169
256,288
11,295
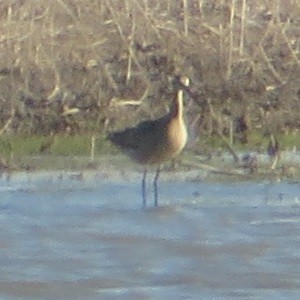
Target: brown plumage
154,142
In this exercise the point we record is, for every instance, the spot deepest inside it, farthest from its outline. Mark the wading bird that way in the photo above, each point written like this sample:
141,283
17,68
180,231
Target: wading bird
154,142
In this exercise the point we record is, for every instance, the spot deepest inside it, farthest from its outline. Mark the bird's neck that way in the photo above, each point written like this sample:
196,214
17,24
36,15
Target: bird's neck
177,106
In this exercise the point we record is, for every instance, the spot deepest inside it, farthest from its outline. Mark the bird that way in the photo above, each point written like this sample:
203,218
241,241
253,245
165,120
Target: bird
154,142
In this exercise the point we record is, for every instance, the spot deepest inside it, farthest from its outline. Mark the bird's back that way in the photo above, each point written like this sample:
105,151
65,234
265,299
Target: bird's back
144,142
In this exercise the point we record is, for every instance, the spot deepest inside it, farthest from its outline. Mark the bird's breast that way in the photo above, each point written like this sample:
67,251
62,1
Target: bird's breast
177,136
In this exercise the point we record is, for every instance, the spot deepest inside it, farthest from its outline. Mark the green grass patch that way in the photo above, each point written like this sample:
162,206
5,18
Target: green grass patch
256,141
39,152
20,145
71,145
290,140
63,145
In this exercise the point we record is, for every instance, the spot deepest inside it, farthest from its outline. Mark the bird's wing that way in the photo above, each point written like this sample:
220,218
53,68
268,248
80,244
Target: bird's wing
133,138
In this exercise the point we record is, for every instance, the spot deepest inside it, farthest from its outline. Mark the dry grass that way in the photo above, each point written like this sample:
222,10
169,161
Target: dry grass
114,60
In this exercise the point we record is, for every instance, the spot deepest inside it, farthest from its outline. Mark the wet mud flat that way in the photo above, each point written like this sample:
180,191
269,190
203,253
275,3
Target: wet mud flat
84,235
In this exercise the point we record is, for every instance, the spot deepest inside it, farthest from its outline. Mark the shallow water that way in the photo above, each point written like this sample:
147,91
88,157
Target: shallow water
68,236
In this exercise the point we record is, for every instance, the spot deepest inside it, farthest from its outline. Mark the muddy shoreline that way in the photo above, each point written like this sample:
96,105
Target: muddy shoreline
188,168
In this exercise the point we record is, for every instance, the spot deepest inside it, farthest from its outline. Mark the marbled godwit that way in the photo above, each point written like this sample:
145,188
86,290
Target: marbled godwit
154,142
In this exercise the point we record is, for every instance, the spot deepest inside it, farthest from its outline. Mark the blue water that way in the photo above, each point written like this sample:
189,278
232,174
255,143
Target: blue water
86,237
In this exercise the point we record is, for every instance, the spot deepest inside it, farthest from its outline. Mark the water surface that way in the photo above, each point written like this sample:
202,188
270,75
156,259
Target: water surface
85,236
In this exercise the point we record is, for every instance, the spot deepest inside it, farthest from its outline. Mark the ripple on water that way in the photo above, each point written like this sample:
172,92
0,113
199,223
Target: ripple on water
90,239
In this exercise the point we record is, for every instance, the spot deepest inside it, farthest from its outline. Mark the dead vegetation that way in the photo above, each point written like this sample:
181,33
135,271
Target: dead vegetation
90,66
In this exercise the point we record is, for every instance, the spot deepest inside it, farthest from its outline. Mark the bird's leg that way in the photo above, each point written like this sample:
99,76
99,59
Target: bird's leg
144,187
155,186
